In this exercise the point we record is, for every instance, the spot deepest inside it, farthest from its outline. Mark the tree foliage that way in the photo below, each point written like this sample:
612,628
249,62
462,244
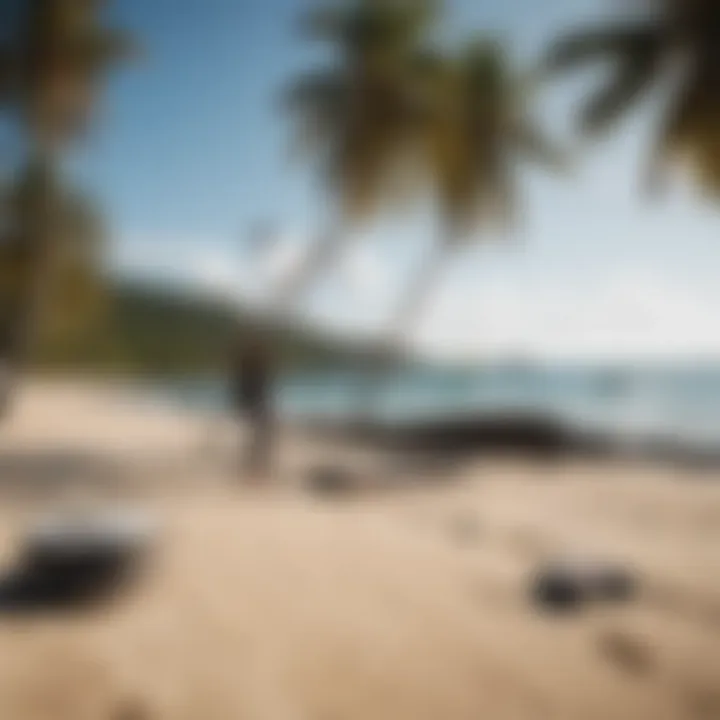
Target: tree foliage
53,54
358,116
672,42
74,300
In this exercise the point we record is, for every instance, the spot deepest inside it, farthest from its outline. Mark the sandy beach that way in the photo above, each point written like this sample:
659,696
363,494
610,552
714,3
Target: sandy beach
406,601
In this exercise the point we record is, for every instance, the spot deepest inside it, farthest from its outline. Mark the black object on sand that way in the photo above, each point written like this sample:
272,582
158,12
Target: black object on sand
331,480
66,561
567,584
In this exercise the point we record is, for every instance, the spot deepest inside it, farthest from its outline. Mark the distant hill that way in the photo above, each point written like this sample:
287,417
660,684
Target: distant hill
153,330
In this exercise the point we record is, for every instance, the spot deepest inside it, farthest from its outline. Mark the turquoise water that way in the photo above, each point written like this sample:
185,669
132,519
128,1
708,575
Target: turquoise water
639,402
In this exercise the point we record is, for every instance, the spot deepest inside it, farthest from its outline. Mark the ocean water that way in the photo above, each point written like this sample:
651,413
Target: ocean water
681,402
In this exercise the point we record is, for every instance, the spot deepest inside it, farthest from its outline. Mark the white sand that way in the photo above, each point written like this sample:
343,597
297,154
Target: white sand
408,604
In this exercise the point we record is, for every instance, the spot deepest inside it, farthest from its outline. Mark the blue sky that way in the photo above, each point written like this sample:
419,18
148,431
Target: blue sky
191,150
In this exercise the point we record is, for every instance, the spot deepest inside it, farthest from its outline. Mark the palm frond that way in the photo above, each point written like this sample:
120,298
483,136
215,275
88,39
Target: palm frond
531,142
8,75
610,42
470,136
690,134
633,77
315,92
63,49
358,118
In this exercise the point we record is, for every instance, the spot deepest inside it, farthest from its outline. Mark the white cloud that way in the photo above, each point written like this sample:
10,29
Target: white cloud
208,263
628,314
367,276
281,260
214,271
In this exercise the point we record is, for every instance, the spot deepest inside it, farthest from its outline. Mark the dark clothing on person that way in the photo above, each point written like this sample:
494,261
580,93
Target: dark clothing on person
252,384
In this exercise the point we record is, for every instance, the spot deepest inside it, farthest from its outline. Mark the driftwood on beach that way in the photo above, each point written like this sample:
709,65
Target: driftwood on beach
523,433
541,436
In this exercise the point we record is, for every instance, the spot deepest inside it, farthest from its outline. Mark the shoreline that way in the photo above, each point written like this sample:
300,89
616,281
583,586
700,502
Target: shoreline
529,434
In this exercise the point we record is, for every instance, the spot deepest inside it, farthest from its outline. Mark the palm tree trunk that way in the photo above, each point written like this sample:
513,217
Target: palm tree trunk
283,305
36,227
293,289
321,255
416,297
404,322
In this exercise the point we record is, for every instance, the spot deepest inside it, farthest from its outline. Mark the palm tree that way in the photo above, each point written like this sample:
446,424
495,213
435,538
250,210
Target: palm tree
53,54
477,131
673,42
74,291
358,118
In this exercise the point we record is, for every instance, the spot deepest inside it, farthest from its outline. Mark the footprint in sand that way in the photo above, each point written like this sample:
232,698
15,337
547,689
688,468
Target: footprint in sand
630,654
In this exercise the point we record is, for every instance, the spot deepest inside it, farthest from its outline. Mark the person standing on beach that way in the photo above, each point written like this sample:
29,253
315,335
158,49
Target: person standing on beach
252,386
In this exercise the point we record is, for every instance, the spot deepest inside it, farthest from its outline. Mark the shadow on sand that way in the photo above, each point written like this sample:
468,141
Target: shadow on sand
28,589
49,473
45,473
70,562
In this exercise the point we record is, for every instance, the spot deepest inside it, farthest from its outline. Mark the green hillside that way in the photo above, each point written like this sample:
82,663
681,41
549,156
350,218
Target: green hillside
150,330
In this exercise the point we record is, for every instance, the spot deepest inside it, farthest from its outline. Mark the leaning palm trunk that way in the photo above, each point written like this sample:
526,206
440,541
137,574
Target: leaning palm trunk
414,301
397,337
283,306
321,255
292,290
